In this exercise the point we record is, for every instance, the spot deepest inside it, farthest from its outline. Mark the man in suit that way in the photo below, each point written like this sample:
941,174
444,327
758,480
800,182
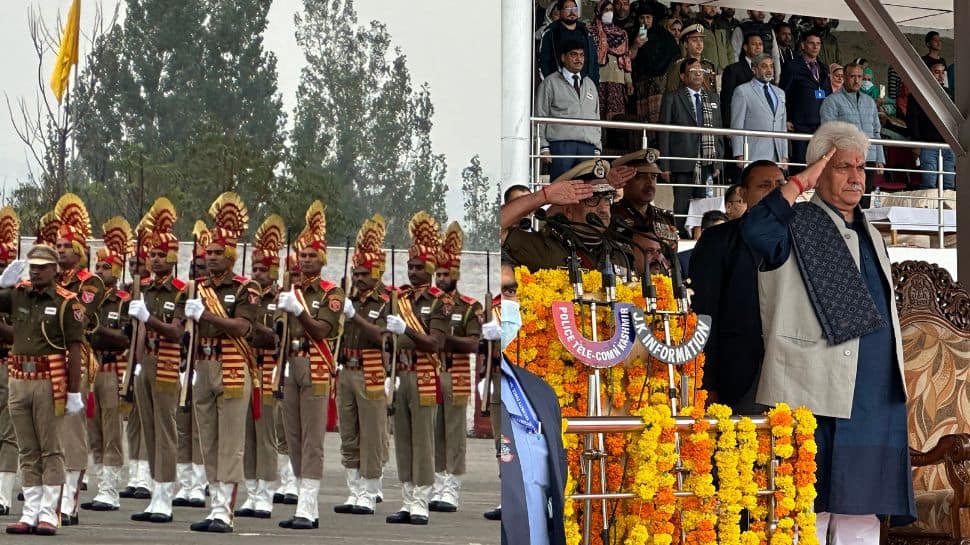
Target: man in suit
724,277
760,106
691,105
533,460
805,81
740,72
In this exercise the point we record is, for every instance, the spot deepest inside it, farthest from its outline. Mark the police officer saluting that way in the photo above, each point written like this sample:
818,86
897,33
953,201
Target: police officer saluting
45,381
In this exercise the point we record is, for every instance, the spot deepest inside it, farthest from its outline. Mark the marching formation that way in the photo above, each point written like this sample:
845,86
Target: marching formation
221,385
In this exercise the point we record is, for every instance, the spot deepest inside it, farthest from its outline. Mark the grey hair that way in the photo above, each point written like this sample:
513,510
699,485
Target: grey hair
838,134
756,60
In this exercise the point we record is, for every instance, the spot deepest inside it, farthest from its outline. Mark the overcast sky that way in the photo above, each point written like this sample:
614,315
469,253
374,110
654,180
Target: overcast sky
458,56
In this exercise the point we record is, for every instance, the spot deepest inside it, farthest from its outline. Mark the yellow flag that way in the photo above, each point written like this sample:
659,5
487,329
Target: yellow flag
67,54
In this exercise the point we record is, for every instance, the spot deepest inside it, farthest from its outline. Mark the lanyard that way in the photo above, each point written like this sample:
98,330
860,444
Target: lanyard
529,422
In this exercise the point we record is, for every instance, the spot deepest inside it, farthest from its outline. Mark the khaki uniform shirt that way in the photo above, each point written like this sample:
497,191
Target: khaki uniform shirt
374,308
239,297
164,298
45,321
324,303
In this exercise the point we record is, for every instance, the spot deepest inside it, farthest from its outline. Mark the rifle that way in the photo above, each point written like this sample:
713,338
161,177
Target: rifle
489,345
282,351
185,394
390,398
137,332
345,285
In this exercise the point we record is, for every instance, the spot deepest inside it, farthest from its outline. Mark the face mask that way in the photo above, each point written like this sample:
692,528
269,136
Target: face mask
511,321
866,85
607,17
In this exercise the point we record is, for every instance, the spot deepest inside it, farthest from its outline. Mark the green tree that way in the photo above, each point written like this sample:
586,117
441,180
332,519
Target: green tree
185,105
481,203
362,135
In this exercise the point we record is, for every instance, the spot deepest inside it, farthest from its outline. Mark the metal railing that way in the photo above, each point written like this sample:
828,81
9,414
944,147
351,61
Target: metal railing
646,128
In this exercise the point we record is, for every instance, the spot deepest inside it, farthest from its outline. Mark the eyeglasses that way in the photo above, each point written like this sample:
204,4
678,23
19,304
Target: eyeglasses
595,199
701,70
574,9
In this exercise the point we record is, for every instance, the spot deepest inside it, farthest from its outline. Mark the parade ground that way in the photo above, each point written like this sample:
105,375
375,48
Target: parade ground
480,492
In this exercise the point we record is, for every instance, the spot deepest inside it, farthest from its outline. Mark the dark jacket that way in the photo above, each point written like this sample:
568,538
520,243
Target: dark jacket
800,87
735,74
919,124
724,277
677,108
549,49
515,516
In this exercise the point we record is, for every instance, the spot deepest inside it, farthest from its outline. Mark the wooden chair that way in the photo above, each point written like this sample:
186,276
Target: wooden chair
934,315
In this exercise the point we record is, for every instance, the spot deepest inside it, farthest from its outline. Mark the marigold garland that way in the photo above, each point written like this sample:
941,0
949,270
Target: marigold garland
639,387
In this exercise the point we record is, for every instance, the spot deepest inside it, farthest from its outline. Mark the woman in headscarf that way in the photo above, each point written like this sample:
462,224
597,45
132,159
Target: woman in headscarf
836,75
869,87
675,26
613,56
651,62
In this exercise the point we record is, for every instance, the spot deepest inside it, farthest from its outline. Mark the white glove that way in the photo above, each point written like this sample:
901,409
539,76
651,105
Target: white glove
194,309
481,389
492,331
387,387
349,310
12,274
395,324
138,310
289,303
74,403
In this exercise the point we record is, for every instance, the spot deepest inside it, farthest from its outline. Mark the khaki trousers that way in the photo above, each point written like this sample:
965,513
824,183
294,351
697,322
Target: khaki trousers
136,443
8,439
280,430
221,422
451,431
156,410
31,406
104,430
304,420
363,423
74,434
260,455
413,433
190,448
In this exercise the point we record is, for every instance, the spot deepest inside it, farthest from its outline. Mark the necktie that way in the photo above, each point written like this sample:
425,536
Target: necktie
576,83
771,101
813,68
698,110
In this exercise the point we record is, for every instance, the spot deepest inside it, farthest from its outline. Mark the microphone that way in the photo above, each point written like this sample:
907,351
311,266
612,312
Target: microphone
575,276
609,278
680,293
596,221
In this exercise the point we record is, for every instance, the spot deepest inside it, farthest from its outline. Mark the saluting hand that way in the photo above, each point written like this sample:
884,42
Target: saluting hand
12,274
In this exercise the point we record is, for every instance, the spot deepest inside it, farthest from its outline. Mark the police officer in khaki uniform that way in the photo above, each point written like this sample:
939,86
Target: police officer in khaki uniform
139,474
44,381
549,248
456,326
160,309
313,310
189,467
109,343
260,455
73,232
9,245
636,207
225,373
415,402
695,32
361,396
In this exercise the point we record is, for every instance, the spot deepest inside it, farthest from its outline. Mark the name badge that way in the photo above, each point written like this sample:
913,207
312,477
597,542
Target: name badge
112,315
169,306
271,306
23,310
50,311
425,310
820,94
373,315
714,105
230,298
456,317
315,304
589,95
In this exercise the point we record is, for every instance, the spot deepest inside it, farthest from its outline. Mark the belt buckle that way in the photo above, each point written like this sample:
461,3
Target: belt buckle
296,345
353,362
152,344
207,349
28,367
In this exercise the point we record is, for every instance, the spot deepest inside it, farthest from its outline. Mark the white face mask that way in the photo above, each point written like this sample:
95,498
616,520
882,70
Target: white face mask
607,17
866,85
511,321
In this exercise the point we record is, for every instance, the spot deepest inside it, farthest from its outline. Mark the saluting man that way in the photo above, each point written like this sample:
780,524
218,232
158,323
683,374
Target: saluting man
44,379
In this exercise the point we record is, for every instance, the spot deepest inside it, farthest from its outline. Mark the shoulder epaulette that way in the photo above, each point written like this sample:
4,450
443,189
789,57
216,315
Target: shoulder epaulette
179,284
241,279
123,295
84,274
497,300
434,291
327,285
385,297
65,293
468,299
146,280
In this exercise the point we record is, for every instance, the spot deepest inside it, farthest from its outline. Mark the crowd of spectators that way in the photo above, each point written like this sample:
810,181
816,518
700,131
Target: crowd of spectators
708,67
